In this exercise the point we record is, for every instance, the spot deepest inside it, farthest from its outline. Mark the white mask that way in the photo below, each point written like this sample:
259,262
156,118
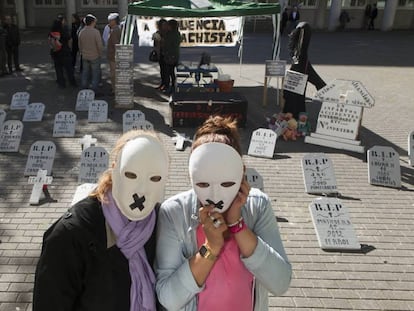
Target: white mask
139,176
216,171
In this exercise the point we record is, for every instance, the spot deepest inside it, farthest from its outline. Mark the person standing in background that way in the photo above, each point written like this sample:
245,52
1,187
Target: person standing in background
283,21
373,16
76,23
113,40
91,48
294,16
171,54
158,37
12,43
367,15
3,54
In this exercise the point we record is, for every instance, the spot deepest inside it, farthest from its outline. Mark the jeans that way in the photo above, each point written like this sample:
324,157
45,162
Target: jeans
91,67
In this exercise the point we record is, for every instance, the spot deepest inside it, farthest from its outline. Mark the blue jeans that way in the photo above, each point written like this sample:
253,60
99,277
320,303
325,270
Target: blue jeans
91,67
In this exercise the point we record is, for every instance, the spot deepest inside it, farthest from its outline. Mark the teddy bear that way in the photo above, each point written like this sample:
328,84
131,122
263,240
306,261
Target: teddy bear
303,124
290,131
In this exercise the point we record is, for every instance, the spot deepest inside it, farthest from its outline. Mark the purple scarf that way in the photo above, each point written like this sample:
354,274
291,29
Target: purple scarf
131,237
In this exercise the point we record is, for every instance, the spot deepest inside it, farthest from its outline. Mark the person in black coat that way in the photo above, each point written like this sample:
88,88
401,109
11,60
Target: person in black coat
373,16
299,40
76,23
283,21
98,256
3,54
12,44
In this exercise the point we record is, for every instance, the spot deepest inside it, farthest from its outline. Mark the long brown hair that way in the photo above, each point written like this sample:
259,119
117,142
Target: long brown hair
105,181
218,129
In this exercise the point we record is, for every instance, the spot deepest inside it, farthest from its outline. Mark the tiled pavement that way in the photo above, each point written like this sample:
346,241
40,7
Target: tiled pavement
382,279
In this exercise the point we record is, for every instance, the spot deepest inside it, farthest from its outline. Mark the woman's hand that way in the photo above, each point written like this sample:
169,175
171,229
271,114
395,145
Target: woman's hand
214,226
233,214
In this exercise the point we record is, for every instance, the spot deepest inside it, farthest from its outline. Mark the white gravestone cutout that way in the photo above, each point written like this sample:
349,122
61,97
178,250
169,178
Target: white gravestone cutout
38,181
130,117
411,148
20,100
64,125
94,161
86,141
85,97
41,157
333,225
34,112
254,179
98,111
10,136
262,143
82,191
2,117
318,173
384,167
295,82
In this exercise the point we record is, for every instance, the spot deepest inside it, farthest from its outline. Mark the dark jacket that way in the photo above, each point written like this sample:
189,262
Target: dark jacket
13,35
76,270
171,49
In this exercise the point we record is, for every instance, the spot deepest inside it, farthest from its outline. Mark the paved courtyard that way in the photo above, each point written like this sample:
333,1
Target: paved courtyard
383,218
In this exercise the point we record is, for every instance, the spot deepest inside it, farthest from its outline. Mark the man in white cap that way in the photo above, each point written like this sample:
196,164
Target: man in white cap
107,29
113,39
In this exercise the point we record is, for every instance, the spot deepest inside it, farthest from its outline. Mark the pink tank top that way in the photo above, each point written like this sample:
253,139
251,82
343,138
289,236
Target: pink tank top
229,284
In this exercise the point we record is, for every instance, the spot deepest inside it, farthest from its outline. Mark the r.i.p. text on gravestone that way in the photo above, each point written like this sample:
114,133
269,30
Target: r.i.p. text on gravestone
38,181
411,148
84,98
130,117
333,225
34,112
98,111
94,161
10,136
318,173
254,178
384,167
19,101
262,143
142,125
64,125
41,157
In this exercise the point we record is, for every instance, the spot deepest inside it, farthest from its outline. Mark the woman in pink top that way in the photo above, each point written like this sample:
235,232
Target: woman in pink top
218,244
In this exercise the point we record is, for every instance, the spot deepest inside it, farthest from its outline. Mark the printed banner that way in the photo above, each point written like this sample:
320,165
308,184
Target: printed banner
207,31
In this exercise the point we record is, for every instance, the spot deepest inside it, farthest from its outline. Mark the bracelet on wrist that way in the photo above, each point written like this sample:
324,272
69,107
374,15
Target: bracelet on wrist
238,228
235,223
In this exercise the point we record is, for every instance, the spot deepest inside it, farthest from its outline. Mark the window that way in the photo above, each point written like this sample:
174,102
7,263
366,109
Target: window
350,4
406,4
50,3
303,3
100,3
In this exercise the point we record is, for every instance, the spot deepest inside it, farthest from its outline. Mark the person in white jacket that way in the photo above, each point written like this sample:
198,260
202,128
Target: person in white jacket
218,244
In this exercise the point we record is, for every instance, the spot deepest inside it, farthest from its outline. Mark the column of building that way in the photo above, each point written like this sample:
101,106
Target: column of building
389,15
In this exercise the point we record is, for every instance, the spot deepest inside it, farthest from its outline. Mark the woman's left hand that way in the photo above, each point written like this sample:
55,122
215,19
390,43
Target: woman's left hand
234,212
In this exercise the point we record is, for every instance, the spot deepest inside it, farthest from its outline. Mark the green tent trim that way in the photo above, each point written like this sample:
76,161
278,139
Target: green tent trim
219,8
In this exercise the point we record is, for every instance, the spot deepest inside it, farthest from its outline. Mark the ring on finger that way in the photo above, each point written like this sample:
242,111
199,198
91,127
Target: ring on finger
217,223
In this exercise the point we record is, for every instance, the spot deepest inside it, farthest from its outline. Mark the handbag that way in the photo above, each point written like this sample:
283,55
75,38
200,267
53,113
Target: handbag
153,57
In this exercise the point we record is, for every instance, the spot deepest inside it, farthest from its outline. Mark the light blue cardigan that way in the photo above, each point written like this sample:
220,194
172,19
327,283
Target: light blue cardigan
176,243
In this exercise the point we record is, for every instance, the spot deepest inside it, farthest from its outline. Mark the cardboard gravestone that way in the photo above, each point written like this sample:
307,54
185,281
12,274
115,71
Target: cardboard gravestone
94,161
340,116
262,143
318,173
10,136
86,141
85,97
124,75
34,112
20,100
98,111
333,225
254,179
82,191
38,181
384,167
64,125
411,148
2,117
41,157
130,117
295,82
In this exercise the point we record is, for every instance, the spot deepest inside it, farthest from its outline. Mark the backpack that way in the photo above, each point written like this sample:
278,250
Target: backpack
54,41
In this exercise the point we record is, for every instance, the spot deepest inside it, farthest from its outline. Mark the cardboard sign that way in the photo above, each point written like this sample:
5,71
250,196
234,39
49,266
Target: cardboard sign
38,181
262,143
130,117
41,157
64,125
346,92
34,112
20,100
275,68
411,148
98,111
82,191
10,136
86,141
85,97
318,173
333,225
254,179
94,161
339,120
124,75
295,82
384,167
2,117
